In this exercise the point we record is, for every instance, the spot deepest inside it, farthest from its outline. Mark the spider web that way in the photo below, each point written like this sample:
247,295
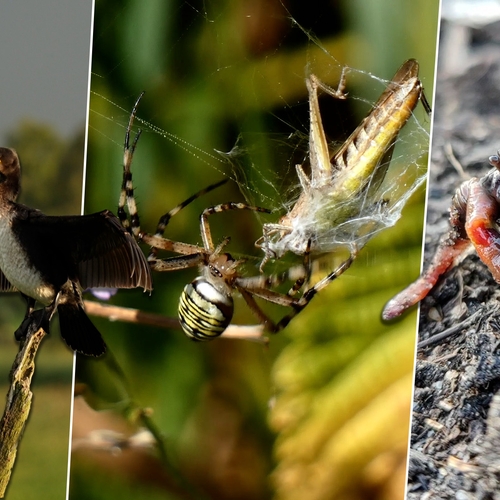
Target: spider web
406,173
264,132
229,77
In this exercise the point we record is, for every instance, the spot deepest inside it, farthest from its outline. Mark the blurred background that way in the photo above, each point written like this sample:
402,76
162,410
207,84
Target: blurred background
44,53
323,411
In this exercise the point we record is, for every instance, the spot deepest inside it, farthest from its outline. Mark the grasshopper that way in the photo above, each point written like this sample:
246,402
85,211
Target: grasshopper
340,204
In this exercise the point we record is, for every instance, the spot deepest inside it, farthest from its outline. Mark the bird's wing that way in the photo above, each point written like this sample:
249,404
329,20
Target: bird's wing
95,247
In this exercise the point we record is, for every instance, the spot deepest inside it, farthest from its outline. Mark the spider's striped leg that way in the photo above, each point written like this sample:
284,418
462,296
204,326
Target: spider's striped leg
127,189
127,198
189,259
157,242
259,286
299,283
308,295
206,234
176,263
299,274
263,318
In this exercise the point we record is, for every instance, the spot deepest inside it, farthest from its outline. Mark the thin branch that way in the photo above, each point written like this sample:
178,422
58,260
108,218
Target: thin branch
448,151
18,404
450,331
253,333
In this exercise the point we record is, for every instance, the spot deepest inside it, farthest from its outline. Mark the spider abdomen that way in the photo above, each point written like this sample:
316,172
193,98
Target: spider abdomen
204,311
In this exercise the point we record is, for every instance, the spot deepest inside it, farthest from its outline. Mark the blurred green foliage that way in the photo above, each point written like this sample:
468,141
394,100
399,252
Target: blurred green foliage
52,168
52,174
218,73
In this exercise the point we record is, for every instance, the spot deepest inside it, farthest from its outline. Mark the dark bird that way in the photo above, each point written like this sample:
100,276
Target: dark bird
50,259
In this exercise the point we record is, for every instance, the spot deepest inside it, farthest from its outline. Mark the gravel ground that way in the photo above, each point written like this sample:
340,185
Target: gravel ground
455,442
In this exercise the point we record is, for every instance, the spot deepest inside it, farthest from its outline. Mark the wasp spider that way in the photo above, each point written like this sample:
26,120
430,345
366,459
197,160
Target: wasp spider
206,304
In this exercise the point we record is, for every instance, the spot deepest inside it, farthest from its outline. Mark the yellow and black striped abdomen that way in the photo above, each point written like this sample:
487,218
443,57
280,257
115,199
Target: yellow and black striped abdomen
204,311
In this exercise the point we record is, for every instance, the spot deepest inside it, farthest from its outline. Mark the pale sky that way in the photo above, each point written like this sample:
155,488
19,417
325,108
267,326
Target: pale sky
44,59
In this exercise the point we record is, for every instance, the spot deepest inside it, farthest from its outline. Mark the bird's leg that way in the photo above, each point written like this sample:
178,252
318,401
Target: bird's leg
34,319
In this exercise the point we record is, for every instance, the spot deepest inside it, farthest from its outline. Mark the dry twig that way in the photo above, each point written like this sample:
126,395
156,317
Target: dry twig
18,404
254,333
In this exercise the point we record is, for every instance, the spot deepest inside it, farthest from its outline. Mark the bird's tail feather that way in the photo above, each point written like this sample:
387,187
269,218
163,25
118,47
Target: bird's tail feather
78,331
